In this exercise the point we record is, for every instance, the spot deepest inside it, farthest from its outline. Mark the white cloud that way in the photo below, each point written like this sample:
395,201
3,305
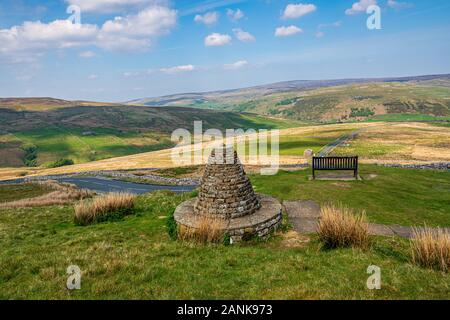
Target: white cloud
236,65
87,54
178,69
294,11
398,5
217,39
93,77
110,6
37,35
135,32
360,6
287,31
235,15
243,35
29,41
209,18
320,34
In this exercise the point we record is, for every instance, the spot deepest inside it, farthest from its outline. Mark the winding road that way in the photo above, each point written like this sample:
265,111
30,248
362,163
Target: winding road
102,185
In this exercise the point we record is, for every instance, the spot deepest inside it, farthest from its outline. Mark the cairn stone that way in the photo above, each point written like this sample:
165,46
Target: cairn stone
226,194
226,191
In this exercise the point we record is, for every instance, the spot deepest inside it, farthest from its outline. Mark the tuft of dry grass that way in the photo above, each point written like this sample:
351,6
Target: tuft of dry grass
340,227
209,230
103,208
431,248
59,194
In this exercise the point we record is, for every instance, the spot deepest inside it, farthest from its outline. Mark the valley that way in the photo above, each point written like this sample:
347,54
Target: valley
41,137
378,142
403,119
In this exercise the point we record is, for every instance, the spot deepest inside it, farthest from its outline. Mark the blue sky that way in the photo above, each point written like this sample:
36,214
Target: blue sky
126,49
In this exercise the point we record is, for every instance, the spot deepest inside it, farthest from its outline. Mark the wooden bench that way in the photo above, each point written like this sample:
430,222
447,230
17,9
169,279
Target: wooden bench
335,163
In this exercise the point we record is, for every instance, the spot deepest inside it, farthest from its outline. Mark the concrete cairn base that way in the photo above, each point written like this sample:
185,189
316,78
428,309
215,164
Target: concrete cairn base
226,195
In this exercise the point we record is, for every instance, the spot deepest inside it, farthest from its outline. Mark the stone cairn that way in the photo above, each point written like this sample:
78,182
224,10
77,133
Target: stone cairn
226,194
226,191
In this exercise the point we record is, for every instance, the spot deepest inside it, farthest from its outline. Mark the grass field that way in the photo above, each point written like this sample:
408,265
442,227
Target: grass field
405,117
134,259
162,158
415,142
85,134
264,122
54,143
388,195
377,142
296,144
20,191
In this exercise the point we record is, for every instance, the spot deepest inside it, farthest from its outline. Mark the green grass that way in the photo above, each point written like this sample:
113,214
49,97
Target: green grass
390,196
134,259
118,132
402,101
296,145
405,117
177,172
260,122
54,143
20,191
370,150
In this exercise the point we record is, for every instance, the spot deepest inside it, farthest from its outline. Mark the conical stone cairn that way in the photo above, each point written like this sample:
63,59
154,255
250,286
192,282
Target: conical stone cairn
226,195
226,191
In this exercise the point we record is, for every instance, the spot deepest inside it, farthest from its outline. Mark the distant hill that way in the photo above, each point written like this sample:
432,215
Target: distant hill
40,131
43,103
326,100
123,118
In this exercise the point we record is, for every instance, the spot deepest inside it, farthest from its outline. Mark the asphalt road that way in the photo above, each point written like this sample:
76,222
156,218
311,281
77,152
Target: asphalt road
107,185
325,151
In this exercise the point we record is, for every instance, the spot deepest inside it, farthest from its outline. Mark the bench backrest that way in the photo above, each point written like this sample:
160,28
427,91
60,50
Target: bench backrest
335,163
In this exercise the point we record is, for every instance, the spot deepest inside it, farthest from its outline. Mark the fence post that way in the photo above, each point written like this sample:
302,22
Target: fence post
313,171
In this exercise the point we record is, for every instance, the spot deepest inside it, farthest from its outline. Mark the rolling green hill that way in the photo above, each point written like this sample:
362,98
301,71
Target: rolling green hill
424,98
40,136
